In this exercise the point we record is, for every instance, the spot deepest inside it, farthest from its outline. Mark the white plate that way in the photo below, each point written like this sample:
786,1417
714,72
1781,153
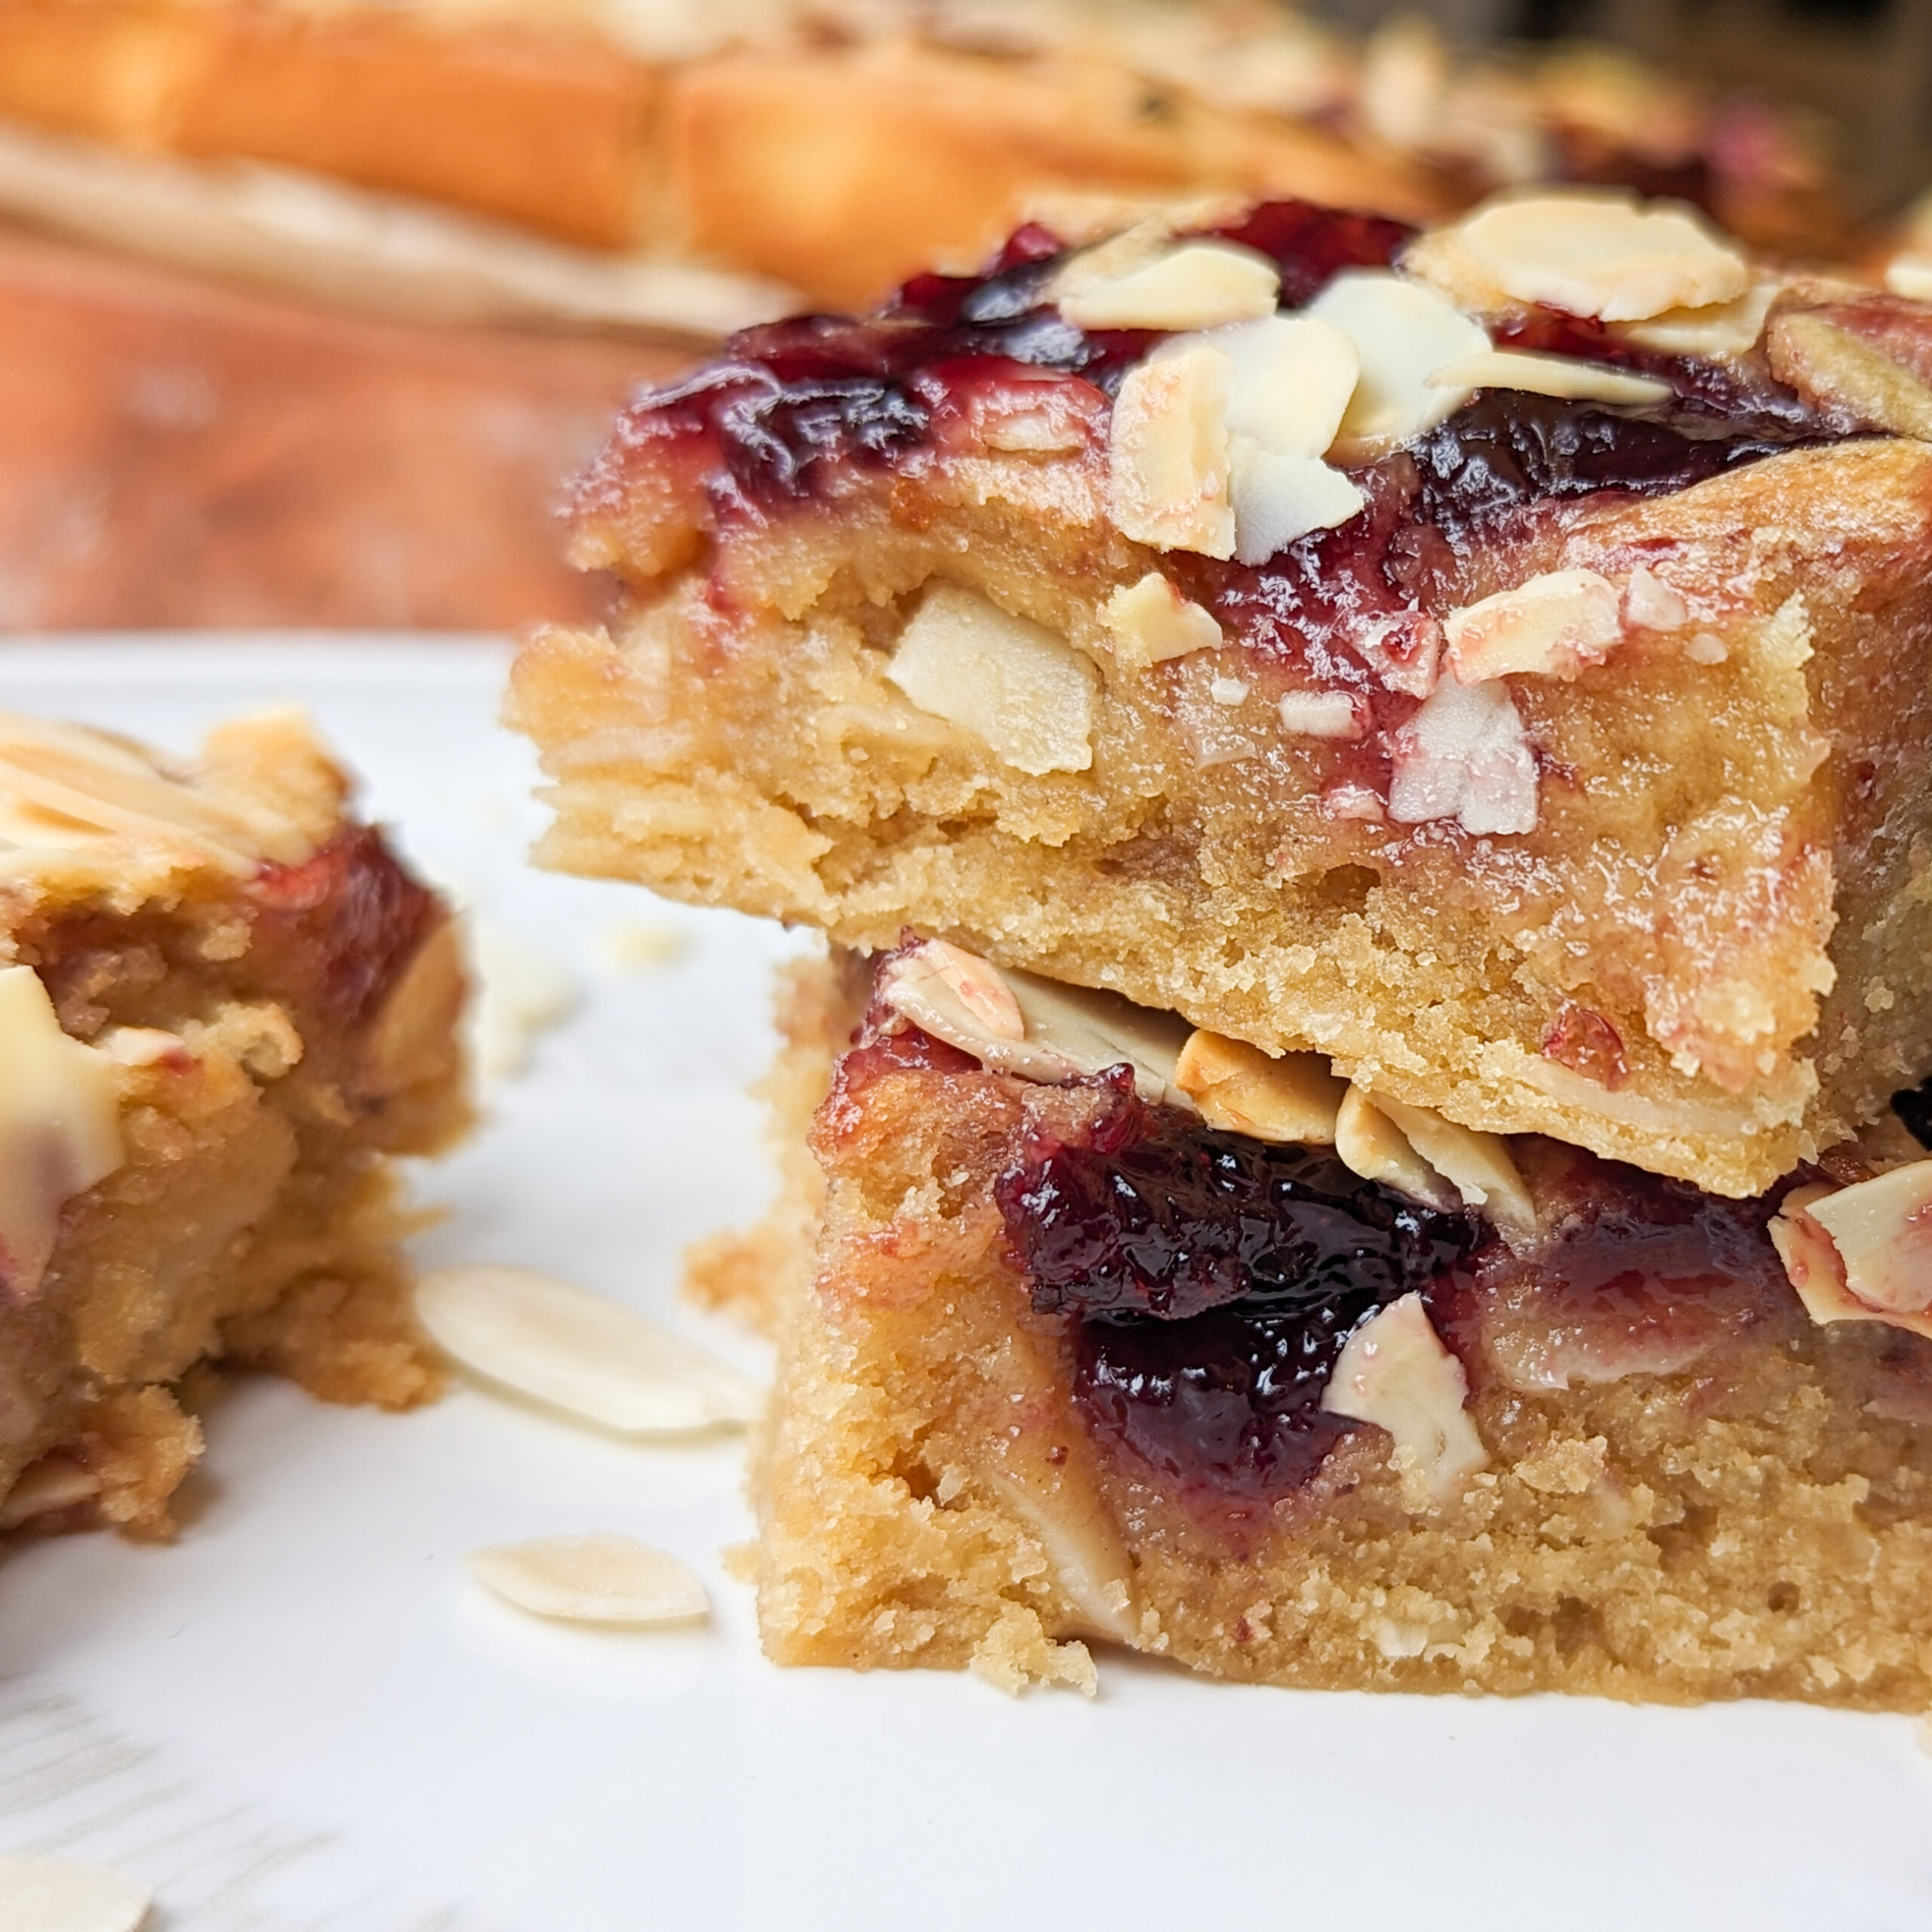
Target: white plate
301,1714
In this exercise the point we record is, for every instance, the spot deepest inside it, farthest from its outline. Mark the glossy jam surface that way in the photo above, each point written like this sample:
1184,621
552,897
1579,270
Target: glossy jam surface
1213,1281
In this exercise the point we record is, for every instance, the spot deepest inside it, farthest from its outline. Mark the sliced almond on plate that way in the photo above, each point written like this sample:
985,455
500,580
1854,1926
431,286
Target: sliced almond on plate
581,1353
1026,693
65,1895
601,1578
1394,1371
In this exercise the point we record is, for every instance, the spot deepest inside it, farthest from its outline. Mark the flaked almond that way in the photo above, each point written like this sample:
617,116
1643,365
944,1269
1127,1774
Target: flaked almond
1464,756
1816,1269
1195,285
1554,626
1402,331
1590,252
1831,366
601,1578
54,1484
1168,461
1882,1229
1323,715
1562,375
1027,694
60,1126
1394,1372
66,1895
1719,331
1350,801
1651,604
1372,1145
1291,1099
1151,622
1910,275
581,1353
1082,1545
1053,1033
1278,499
1478,1166
1290,381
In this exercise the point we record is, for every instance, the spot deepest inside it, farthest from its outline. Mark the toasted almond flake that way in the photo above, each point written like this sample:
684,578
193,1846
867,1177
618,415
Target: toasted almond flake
64,1895
1028,693
601,1578
1651,604
1394,1371
1196,285
1278,499
1293,1100
1554,626
1596,253
952,994
141,1046
1464,756
1478,1166
1910,276
1323,715
1404,331
581,1353
1718,331
1150,622
1229,691
1832,366
1065,1032
54,1483
60,1126
1290,381
1372,1145
1350,801
1083,1547
1705,648
1563,376
1882,1229
1816,1269
1167,474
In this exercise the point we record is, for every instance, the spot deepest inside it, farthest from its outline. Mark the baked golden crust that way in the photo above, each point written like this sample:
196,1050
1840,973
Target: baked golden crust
1728,868
274,1001
931,1495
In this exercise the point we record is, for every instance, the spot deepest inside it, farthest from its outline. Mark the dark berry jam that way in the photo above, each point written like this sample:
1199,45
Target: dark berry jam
1213,1280
1914,1106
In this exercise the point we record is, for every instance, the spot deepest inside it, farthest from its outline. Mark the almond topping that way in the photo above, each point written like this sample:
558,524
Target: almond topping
1910,276
1404,331
1556,626
1590,252
1029,694
1290,378
1651,604
65,1895
1464,756
1195,286
1562,375
1278,499
1323,715
603,1578
1478,1166
1293,1099
1065,1032
1882,1229
1168,461
1394,1372
582,1353
1372,1145
60,1126
1718,331
1151,622
1816,1270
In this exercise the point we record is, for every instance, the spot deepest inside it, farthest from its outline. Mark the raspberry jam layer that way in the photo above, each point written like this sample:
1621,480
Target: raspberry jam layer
1212,1280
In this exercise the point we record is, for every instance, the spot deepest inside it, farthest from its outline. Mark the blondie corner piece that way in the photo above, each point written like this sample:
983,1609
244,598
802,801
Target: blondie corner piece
1499,658
1145,1355
224,1005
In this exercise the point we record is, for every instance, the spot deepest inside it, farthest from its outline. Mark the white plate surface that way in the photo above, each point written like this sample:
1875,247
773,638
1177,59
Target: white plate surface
301,1715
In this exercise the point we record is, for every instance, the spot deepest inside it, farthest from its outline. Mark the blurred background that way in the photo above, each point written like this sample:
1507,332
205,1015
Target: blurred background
308,307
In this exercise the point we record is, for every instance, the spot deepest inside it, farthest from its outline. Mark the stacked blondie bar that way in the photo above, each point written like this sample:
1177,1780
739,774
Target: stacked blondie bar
1370,791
